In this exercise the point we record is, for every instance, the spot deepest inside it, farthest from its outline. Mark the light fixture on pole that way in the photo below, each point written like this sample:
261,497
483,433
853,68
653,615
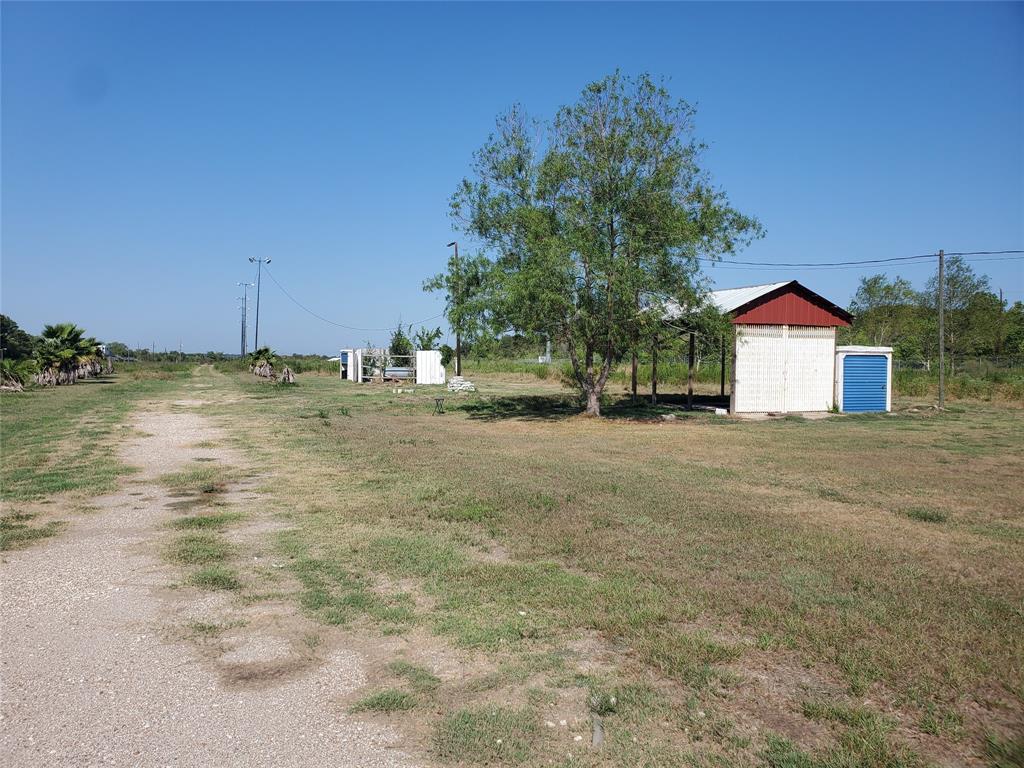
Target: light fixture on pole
259,271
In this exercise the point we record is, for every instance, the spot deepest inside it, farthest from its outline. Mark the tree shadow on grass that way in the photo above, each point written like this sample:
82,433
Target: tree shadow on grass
525,407
560,407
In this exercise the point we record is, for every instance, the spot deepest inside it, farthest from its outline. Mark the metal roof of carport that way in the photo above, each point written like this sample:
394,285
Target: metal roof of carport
729,299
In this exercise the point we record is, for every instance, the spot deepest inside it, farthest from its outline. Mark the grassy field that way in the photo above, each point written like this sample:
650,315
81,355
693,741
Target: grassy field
791,593
701,591
57,447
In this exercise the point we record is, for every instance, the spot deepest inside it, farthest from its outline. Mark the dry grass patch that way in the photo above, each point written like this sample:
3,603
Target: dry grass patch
684,546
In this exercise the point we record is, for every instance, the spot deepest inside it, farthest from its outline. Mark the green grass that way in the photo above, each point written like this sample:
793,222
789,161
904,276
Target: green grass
216,521
61,440
198,549
202,479
926,514
1004,753
421,680
389,700
215,577
486,736
16,532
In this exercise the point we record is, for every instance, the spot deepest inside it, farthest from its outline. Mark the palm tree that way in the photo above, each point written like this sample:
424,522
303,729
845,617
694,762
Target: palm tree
15,374
65,354
262,362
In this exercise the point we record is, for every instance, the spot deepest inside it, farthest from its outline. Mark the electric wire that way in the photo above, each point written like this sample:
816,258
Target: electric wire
306,309
860,262
1003,255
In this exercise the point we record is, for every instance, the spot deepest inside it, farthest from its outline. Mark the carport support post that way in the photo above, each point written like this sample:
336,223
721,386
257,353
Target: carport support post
633,375
721,370
689,376
654,371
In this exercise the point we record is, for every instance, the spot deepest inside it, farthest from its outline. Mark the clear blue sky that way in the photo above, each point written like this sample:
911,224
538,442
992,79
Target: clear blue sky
150,148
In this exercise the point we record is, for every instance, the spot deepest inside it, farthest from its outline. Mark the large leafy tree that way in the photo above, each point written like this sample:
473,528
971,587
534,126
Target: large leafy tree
588,217
971,311
426,338
16,344
883,308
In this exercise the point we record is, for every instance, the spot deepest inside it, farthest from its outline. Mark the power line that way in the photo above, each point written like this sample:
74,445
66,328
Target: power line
820,263
979,253
906,260
306,309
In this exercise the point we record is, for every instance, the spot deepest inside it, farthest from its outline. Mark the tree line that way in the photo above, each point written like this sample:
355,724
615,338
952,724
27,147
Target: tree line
978,322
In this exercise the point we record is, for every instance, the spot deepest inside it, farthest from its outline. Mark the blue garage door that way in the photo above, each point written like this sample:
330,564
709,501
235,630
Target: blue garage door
865,381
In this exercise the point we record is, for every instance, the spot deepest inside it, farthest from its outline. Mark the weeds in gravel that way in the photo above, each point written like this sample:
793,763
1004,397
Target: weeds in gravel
15,531
389,700
200,479
215,577
198,549
215,521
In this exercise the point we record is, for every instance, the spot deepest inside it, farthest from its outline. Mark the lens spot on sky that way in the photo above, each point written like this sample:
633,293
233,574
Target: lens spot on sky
89,85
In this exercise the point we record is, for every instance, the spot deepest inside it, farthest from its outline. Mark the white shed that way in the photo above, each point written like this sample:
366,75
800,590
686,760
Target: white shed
784,355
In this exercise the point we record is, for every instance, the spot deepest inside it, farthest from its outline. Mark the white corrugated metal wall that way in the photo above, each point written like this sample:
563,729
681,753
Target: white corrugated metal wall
810,366
759,383
428,367
781,368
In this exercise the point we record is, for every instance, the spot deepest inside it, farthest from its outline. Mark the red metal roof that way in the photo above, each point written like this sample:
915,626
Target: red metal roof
791,304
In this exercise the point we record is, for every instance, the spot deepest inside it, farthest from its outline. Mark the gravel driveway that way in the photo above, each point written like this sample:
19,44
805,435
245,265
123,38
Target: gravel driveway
91,676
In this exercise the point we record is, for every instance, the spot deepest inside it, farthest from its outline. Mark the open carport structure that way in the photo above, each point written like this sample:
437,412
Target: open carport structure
785,347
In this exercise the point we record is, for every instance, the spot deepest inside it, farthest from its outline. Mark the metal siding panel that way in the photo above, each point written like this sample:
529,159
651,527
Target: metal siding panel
759,373
810,366
789,308
865,383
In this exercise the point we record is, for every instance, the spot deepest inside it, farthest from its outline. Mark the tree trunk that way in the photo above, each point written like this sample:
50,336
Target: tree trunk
593,402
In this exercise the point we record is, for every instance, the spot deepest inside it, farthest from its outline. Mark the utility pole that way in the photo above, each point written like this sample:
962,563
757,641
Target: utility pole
241,306
259,272
942,328
245,312
458,309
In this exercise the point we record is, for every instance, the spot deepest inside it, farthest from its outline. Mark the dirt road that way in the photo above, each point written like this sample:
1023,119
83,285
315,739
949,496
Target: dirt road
98,667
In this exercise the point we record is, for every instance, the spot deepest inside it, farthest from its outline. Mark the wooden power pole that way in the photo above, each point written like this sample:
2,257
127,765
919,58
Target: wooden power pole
942,328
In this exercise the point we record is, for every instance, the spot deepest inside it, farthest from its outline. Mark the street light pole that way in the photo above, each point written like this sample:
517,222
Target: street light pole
259,272
245,313
458,310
